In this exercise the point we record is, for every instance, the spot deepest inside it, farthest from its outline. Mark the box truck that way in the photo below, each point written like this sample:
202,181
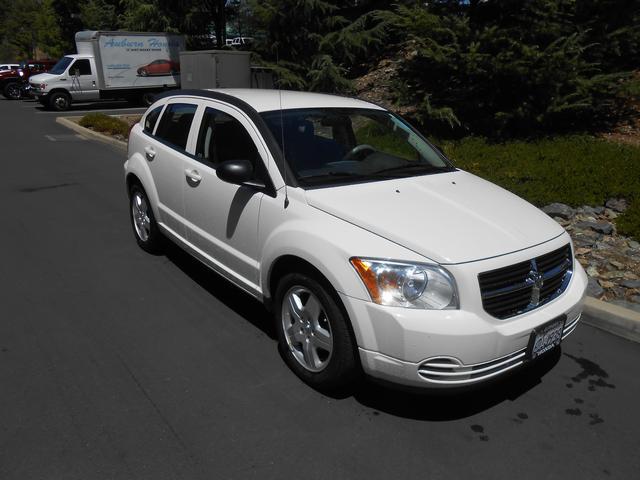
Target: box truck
133,66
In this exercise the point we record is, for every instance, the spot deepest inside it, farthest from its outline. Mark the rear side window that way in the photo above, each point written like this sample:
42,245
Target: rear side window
151,119
223,138
175,124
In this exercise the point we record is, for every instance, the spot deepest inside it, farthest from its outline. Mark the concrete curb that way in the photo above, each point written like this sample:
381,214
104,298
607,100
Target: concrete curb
612,318
71,123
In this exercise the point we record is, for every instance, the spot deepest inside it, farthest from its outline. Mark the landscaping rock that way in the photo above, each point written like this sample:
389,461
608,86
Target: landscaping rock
633,245
594,289
601,226
631,284
617,204
559,210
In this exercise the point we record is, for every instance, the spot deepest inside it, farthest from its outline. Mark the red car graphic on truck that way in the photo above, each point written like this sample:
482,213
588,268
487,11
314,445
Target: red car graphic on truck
159,67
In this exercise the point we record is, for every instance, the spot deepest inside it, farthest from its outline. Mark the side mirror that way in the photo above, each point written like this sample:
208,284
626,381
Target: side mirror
235,171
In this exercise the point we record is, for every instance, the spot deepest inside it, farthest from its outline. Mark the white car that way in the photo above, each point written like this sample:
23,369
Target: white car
374,252
9,66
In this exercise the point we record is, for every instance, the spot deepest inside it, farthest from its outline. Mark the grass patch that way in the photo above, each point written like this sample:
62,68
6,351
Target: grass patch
105,124
576,170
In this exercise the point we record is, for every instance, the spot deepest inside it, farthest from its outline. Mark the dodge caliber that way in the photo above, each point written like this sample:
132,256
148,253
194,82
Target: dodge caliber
374,252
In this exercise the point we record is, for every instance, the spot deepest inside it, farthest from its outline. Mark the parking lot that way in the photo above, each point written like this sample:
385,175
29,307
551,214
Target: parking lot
121,365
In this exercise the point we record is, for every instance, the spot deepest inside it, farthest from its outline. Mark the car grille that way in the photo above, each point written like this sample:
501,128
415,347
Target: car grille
522,287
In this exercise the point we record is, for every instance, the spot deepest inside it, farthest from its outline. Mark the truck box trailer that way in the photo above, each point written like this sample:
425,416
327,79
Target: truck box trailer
112,65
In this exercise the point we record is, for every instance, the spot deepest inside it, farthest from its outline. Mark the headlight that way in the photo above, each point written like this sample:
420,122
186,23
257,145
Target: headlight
21,73
411,285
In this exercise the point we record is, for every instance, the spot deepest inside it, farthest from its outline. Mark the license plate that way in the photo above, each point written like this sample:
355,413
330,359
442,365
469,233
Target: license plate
546,337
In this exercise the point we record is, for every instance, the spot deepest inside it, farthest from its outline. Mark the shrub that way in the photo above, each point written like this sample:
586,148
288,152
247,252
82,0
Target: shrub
105,124
576,170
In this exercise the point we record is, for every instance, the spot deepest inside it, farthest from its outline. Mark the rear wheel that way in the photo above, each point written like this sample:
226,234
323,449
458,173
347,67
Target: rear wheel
145,228
313,333
147,98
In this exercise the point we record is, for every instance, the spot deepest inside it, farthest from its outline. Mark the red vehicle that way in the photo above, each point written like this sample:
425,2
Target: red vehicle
13,82
159,67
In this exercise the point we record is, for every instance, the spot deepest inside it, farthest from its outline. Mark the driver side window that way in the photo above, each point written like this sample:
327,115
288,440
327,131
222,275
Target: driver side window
223,138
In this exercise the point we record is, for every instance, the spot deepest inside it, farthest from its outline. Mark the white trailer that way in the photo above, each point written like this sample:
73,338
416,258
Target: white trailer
112,65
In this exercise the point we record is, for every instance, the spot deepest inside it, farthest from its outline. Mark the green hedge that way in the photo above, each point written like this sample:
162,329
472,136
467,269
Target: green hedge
105,124
576,170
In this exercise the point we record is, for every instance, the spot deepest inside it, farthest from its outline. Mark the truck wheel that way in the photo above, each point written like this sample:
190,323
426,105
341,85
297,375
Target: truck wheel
147,98
313,333
60,101
12,91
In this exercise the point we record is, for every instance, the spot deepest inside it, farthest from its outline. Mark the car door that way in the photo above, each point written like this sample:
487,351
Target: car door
165,151
222,218
83,80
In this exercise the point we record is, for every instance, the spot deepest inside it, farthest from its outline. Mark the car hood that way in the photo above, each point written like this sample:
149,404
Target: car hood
42,77
451,217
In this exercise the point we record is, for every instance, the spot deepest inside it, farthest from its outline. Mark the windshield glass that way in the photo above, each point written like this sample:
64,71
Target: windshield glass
60,67
328,146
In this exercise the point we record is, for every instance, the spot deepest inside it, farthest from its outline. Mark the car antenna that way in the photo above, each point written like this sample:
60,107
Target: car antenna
284,155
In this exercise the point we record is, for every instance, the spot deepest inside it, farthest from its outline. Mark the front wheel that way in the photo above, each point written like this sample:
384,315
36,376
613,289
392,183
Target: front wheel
313,333
59,101
13,91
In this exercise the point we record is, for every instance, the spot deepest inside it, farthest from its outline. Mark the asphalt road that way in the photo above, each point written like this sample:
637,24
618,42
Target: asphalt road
115,364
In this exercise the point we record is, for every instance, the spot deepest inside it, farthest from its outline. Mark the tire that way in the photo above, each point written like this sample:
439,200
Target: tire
59,101
314,337
147,98
143,222
143,73
13,91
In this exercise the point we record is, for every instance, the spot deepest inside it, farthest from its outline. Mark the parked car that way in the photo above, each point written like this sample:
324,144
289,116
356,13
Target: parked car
373,251
8,66
14,82
159,67
241,41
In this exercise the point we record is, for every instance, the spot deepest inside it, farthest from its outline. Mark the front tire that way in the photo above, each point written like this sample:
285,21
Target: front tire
145,227
59,101
13,91
313,333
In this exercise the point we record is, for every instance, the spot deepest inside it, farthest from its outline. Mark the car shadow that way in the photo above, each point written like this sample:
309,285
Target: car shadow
233,297
429,405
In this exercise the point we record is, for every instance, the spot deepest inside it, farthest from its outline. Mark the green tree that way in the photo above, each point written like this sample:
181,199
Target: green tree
98,15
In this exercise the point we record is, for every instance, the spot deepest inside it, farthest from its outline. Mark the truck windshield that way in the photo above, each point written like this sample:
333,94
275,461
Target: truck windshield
60,67
329,146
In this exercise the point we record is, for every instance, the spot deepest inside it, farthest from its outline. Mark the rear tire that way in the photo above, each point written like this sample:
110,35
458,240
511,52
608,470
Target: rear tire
314,337
145,227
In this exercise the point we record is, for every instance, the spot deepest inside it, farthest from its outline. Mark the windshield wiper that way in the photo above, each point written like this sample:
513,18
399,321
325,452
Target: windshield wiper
420,167
331,176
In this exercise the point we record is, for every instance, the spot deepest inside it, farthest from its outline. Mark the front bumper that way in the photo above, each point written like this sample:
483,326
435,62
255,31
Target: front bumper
453,348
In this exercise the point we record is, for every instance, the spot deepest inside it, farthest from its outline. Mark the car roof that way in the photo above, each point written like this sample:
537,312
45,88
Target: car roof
264,100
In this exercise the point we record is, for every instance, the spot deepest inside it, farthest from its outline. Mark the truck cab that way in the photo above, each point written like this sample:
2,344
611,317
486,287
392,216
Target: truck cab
72,79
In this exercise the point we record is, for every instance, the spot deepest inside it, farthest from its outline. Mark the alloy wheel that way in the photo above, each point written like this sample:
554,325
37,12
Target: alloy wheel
307,329
140,215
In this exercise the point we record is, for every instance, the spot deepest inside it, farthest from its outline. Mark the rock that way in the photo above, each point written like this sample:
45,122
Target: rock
594,289
617,204
582,251
618,265
631,283
633,244
600,226
635,298
606,284
592,210
611,275
592,271
559,210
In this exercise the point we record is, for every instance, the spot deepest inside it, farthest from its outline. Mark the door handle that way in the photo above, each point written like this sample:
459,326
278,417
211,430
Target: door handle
193,177
150,153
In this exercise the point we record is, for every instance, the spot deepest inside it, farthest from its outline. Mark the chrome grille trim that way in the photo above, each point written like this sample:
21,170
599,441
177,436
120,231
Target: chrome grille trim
448,371
525,286
570,327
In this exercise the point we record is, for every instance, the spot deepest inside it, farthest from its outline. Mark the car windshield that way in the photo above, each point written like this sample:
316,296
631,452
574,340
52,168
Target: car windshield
329,146
60,67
